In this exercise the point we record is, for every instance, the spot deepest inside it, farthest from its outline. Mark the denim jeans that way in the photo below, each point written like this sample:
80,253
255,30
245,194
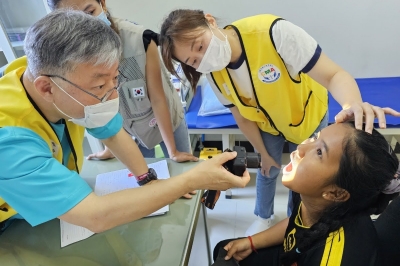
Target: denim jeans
182,142
266,186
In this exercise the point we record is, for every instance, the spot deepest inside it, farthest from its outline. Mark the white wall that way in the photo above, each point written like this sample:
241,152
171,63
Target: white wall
363,36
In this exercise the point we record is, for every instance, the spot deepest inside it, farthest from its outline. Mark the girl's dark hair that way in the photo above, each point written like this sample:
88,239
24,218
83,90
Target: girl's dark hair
54,4
367,166
180,25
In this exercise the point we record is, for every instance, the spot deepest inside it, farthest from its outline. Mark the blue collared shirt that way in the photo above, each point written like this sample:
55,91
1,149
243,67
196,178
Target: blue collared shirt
35,184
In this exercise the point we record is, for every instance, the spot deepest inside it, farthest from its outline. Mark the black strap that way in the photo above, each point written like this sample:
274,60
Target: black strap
71,146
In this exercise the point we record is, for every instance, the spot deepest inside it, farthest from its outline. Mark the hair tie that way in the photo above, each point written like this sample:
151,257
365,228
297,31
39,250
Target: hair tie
297,250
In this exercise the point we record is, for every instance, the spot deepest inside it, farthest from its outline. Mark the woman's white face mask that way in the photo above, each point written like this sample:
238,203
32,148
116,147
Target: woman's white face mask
103,17
217,56
97,115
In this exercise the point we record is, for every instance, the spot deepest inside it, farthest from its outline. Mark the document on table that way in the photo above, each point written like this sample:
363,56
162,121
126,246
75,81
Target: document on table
108,183
71,233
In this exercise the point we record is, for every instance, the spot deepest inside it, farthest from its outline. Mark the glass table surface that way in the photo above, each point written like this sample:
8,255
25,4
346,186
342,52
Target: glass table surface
160,240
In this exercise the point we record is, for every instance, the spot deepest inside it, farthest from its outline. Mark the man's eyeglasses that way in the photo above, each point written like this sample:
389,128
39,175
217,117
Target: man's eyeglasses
103,99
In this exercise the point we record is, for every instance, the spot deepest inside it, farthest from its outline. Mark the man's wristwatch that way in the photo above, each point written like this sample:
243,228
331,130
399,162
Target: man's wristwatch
147,177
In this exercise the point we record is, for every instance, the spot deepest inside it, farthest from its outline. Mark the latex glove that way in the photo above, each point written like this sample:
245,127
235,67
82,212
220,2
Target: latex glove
238,249
366,112
180,157
266,163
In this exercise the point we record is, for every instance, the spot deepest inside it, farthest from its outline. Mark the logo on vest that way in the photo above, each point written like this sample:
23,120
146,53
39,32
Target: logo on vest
269,73
153,122
54,148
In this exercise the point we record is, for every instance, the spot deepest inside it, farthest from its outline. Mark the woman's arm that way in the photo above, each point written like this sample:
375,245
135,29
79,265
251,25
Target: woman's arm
301,52
252,133
346,92
159,104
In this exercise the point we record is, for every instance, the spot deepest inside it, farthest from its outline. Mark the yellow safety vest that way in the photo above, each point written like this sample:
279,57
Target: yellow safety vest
286,106
17,110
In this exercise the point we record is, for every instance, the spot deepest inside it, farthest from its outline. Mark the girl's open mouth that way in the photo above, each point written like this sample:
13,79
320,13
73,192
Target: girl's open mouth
288,168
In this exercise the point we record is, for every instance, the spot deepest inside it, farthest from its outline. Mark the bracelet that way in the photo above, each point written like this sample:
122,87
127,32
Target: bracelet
251,244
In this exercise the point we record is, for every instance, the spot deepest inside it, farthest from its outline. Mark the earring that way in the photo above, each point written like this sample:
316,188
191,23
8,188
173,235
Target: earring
324,195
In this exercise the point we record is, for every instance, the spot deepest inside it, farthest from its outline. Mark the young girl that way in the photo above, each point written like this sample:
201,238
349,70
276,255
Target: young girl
340,175
274,78
149,104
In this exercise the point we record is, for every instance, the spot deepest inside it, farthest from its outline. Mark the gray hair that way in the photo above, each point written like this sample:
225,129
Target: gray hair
59,42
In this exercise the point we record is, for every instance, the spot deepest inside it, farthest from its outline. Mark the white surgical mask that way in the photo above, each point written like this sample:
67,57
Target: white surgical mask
97,115
103,17
217,56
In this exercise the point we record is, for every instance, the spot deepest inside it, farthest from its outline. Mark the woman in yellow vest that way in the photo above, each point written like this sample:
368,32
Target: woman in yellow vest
274,78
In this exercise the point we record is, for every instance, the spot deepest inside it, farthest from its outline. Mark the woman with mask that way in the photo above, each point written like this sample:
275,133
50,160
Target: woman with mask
149,104
275,79
340,175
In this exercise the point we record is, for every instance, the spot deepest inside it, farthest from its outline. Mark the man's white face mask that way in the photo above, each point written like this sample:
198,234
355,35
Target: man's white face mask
217,56
97,115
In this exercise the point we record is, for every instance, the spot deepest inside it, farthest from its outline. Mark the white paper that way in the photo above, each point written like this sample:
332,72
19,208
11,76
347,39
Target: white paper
108,183
71,233
119,180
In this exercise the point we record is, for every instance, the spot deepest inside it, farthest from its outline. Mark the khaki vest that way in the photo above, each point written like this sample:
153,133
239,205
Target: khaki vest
18,111
135,106
292,108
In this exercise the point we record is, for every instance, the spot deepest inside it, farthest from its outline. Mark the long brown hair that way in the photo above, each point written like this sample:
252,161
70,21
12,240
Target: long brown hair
181,25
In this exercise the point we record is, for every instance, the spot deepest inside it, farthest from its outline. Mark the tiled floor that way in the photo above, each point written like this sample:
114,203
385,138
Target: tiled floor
231,217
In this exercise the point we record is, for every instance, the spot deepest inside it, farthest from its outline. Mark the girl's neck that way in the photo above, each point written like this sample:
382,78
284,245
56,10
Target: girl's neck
234,42
311,210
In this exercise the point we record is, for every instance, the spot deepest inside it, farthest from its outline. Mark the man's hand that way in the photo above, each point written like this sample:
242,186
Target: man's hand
365,112
210,174
180,157
266,163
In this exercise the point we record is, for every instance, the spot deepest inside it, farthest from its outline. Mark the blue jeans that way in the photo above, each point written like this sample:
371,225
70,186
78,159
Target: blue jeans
266,186
182,142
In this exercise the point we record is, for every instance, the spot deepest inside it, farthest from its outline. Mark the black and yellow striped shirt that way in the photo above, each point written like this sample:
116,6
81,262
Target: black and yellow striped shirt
355,243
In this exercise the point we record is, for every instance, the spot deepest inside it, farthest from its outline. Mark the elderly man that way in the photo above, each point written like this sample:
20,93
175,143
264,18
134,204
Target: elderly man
68,82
